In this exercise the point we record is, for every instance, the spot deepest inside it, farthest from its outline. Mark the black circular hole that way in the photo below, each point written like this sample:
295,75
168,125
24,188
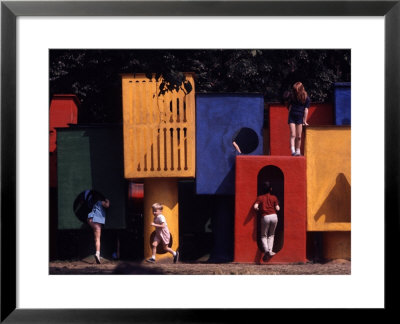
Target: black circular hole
246,139
84,202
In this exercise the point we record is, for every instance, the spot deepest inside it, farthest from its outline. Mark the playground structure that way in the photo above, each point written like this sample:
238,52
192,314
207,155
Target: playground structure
179,148
159,146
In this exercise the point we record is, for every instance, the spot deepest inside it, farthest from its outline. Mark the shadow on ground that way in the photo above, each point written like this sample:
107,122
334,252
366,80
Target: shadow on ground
129,268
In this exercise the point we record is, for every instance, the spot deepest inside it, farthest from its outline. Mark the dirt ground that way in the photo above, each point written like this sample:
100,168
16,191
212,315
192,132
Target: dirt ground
88,266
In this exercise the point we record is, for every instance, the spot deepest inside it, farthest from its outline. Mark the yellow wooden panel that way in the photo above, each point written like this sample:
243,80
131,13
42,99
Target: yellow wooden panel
328,156
159,131
190,138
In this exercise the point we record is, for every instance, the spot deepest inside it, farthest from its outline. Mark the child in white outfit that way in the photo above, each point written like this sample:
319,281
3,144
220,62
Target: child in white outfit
162,233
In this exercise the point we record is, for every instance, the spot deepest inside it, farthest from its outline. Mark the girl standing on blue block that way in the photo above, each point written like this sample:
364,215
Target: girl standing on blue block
299,103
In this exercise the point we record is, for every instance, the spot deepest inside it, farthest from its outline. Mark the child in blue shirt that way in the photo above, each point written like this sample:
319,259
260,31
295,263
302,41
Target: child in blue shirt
298,111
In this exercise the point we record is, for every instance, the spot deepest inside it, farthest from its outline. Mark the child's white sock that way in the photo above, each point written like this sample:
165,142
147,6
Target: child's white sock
292,149
98,253
298,151
173,253
153,257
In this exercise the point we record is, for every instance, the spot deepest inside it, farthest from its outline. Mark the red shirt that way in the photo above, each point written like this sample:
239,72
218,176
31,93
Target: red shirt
267,203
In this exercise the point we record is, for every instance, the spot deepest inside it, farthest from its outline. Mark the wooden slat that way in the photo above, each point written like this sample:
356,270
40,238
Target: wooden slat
169,153
155,149
176,148
143,100
131,104
167,105
153,98
165,147
179,147
190,107
137,149
137,101
150,165
185,150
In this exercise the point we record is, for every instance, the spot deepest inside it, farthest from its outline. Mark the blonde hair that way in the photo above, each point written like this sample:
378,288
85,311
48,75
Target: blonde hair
299,93
157,206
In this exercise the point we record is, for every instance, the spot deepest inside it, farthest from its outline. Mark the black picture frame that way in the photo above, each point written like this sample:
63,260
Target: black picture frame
10,10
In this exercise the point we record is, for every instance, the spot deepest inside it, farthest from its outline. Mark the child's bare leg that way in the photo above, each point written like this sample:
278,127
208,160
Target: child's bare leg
154,249
97,235
167,248
299,129
96,232
292,128
174,253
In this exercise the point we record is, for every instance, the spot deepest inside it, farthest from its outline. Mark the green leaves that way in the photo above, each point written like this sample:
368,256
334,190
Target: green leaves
94,75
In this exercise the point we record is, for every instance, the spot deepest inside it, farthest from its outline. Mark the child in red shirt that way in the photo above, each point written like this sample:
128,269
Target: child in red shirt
267,205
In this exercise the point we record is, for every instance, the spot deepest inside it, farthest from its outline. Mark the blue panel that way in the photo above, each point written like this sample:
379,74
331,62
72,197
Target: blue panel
219,118
342,103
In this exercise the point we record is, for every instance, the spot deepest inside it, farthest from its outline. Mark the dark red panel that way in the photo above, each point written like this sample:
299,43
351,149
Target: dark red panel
63,111
318,115
294,231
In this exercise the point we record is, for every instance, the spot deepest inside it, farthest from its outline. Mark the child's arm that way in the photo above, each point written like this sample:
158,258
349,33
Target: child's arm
105,203
305,117
158,225
236,147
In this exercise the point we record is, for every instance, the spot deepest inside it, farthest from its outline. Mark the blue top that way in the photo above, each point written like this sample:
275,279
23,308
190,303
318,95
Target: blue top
89,198
98,213
298,107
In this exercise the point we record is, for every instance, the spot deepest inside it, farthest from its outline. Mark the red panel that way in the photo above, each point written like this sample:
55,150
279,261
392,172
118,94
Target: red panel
294,231
63,111
318,115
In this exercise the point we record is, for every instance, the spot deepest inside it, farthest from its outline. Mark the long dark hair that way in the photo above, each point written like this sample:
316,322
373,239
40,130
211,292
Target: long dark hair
299,93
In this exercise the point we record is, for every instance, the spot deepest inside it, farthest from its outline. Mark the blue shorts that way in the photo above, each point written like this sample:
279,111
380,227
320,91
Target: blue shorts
98,213
295,119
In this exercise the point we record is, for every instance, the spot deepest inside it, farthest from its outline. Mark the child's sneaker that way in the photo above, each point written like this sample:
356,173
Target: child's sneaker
297,154
293,153
151,260
266,256
176,257
97,258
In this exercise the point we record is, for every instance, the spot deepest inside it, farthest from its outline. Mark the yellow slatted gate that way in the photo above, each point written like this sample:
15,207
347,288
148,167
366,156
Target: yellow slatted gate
159,131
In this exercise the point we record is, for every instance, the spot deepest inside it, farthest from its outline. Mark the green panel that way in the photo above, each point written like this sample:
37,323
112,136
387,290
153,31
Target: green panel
73,173
90,158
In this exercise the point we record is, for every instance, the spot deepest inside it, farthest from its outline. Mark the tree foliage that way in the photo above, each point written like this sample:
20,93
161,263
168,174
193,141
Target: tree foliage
95,75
